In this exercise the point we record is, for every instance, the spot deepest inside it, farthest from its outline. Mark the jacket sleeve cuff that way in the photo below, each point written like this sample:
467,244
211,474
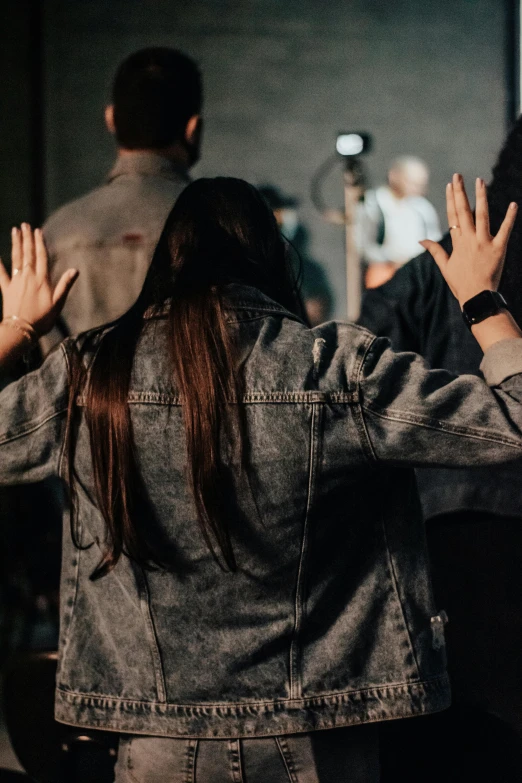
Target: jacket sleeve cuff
502,360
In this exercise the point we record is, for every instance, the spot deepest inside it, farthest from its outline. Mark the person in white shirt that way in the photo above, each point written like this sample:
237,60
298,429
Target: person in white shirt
394,218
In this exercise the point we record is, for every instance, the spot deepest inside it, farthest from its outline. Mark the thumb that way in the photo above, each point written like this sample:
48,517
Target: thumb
437,251
63,286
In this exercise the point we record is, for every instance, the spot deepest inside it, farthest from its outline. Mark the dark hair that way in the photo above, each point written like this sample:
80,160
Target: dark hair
155,93
220,231
506,186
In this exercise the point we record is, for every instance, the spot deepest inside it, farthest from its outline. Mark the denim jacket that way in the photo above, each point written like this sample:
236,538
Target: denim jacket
329,619
417,312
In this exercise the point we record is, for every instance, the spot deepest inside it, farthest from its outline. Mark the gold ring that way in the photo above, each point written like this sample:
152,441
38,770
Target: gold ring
453,227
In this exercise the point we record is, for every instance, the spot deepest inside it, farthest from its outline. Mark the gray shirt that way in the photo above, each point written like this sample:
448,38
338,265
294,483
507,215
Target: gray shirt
109,235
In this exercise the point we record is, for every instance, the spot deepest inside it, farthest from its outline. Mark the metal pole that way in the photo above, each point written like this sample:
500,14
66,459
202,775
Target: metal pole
353,261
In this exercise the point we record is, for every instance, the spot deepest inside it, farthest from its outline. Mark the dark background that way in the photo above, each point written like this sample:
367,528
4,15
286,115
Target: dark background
282,77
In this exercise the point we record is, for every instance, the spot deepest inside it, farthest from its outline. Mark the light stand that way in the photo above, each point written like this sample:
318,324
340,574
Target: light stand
353,260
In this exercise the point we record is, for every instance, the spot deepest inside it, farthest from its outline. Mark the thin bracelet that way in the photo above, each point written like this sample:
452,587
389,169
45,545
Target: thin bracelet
25,325
12,323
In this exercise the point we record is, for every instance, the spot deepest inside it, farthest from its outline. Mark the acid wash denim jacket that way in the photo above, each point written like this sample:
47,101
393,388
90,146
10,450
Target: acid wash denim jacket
329,620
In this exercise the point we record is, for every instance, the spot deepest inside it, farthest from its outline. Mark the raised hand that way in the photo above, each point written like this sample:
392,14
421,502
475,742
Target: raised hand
28,294
477,259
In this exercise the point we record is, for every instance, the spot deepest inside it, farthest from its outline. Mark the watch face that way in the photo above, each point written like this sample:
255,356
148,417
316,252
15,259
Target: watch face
482,306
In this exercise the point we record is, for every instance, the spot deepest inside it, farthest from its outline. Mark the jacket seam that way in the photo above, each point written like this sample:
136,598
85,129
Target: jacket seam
302,701
68,630
286,758
295,685
247,319
35,425
159,675
128,764
284,398
435,424
236,764
396,589
360,423
64,439
192,752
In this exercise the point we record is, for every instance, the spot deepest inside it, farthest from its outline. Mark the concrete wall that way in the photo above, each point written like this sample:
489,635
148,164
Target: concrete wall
282,78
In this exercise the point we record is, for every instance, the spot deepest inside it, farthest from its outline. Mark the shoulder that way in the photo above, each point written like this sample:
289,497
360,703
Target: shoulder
374,196
287,354
424,206
123,204
71,215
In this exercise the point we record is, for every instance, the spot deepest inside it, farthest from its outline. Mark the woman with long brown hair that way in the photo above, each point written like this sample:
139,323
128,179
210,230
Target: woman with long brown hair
244,560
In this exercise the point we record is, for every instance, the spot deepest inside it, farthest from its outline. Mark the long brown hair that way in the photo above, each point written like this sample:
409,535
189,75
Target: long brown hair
220,231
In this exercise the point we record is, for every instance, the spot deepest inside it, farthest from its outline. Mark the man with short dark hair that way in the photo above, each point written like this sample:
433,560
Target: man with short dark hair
109,234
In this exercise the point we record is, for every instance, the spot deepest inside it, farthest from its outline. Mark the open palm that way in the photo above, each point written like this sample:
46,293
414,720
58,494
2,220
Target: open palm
28,293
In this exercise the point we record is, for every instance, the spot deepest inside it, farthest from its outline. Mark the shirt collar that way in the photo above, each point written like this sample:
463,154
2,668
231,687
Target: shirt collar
148,164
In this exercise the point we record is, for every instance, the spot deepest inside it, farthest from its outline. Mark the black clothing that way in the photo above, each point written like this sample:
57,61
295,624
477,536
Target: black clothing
418,312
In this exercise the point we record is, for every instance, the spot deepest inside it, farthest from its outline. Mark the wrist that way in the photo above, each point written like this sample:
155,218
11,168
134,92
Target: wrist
14,344
483,305
23,326
501,326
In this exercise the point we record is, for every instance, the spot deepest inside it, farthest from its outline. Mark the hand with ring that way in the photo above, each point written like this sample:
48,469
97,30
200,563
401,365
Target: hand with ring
477,259
28,294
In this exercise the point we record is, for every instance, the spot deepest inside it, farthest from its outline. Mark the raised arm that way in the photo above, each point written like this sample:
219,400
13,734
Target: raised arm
477,259
421,417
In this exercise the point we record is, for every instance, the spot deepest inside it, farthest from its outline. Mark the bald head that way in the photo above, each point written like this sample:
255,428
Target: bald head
408,176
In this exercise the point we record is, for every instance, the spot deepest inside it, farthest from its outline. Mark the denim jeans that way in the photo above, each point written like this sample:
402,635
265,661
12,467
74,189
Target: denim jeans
348,755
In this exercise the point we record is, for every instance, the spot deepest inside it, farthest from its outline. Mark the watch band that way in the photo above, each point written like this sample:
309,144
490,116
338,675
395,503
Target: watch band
482,306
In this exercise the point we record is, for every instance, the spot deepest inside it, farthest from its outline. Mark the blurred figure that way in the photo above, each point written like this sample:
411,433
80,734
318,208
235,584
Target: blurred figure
315,287
110,233
395,218
473,521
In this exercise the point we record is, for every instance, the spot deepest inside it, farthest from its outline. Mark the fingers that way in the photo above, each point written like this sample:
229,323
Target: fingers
481,211
28,248
451,209
437,251
63,287
4,277
504,231
42,265
16,251
464,215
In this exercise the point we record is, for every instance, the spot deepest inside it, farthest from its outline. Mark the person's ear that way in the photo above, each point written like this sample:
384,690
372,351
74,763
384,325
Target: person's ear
193,130
109,119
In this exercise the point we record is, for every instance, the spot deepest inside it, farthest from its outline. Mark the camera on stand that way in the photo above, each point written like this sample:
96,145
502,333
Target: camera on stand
350,145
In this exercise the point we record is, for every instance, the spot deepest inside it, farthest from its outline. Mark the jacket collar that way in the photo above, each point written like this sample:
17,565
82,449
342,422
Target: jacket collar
240,298
241,301
148,164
